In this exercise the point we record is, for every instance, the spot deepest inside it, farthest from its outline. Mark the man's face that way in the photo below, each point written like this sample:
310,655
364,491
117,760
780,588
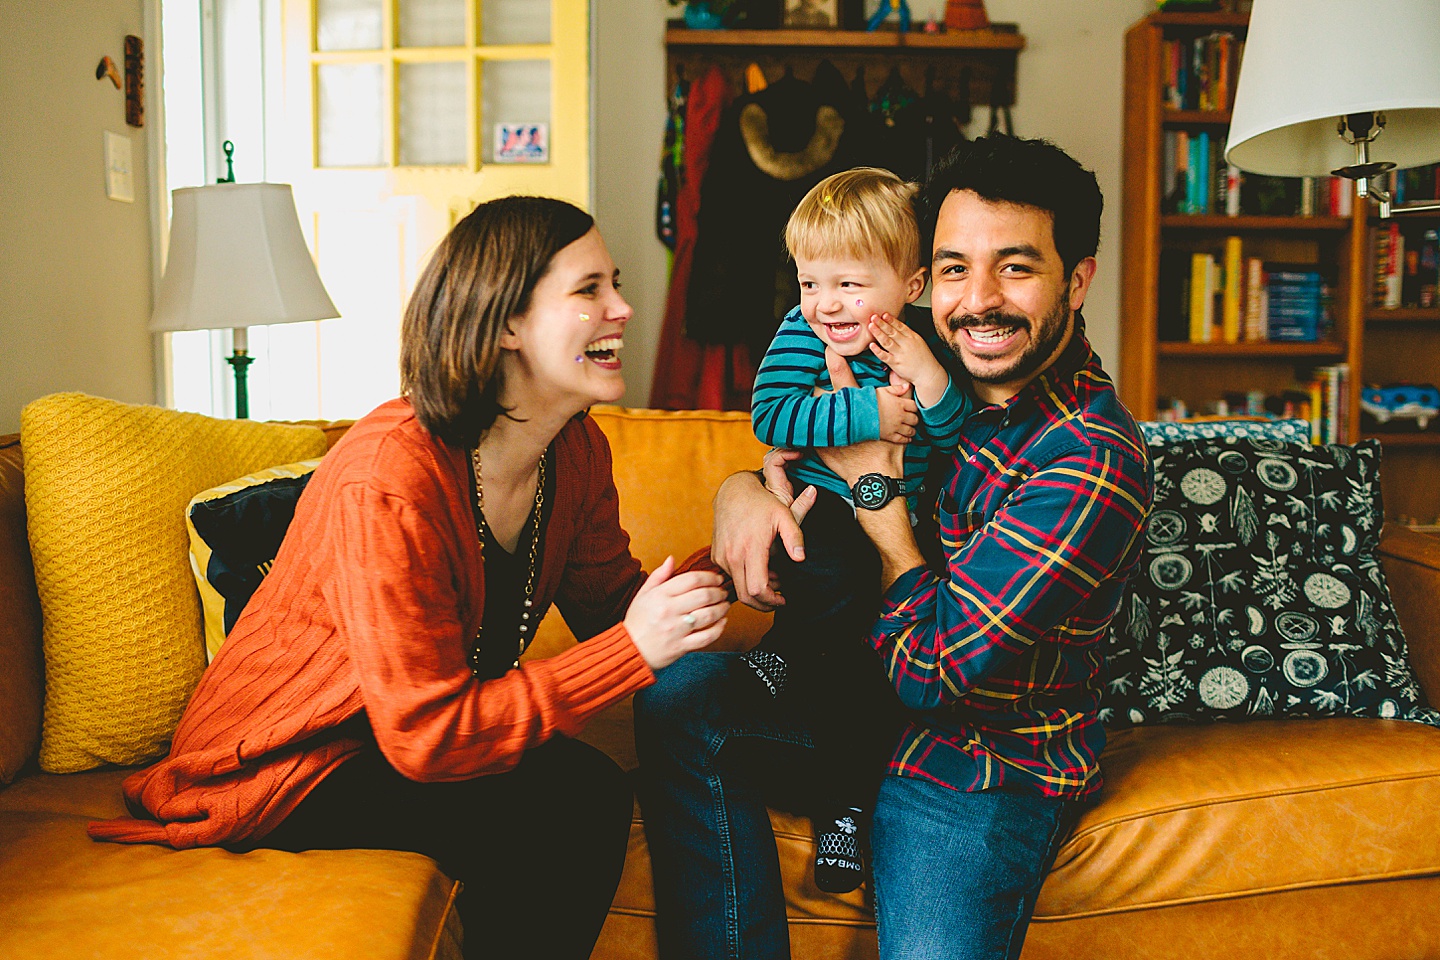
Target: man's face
1002,299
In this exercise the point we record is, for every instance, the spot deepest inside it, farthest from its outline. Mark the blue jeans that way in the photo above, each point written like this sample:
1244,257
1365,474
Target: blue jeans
956,874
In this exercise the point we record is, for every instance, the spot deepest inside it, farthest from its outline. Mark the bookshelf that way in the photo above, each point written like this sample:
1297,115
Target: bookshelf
1402,344
1157,357
1399,343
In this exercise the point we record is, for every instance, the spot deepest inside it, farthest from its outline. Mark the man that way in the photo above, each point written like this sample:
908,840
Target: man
993,650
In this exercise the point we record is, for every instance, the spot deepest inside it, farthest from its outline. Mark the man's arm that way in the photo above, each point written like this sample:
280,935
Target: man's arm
889,527
1071,527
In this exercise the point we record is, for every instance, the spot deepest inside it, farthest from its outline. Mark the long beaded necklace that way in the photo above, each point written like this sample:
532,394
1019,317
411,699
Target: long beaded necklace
480,525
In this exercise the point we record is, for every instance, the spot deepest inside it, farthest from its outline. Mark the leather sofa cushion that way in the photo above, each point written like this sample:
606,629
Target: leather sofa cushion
64,895
1196,814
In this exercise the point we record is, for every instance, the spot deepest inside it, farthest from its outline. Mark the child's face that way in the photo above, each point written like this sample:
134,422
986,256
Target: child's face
838,296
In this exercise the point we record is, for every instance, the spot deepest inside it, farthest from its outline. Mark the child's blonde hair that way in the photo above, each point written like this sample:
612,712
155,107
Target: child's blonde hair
859,213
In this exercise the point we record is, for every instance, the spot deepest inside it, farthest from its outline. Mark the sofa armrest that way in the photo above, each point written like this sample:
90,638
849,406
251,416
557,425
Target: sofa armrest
1412,566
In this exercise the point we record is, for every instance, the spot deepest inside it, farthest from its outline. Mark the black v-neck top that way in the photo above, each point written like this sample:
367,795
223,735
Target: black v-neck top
500,639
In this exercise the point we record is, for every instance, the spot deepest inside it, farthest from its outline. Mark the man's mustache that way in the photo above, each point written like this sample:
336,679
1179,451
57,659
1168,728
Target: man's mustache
992,318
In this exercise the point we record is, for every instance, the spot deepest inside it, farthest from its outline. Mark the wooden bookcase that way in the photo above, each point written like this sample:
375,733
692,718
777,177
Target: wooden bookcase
1379,345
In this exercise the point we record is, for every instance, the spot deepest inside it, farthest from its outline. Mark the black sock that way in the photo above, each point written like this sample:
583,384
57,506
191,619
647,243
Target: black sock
763,672
837,851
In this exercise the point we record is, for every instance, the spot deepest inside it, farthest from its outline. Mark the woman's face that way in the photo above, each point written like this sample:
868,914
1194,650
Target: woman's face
565,348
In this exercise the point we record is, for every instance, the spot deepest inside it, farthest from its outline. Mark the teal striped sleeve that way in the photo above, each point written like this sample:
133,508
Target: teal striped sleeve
945,421
783,411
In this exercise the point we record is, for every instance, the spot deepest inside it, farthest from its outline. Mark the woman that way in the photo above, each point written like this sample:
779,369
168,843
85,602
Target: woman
370,695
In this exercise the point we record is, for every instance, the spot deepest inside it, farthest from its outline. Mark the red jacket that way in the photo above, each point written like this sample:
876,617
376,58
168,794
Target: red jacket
372,606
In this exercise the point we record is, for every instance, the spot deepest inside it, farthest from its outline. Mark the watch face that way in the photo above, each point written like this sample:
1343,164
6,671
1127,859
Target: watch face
872,491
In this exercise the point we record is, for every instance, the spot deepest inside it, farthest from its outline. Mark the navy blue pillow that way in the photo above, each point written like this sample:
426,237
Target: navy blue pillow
244,530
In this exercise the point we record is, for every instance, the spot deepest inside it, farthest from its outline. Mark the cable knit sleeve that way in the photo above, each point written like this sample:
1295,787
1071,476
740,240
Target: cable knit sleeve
395,600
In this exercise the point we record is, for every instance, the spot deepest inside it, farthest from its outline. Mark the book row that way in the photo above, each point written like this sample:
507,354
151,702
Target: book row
1231,298
1200,72
1322,398
1198,181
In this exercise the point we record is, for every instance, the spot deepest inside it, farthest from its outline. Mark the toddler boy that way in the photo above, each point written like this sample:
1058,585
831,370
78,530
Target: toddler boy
856,247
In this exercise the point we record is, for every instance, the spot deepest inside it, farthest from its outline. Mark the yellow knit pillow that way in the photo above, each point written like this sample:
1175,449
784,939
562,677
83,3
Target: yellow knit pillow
106,486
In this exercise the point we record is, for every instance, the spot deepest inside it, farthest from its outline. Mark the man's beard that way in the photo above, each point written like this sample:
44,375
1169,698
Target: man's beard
1043,342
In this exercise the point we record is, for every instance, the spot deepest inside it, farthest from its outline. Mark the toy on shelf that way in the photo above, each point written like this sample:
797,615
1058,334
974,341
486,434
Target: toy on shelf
886,8
1402,401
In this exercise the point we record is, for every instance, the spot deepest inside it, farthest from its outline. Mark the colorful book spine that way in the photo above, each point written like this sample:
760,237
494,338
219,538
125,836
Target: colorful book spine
1202,297
1231,314
1254,299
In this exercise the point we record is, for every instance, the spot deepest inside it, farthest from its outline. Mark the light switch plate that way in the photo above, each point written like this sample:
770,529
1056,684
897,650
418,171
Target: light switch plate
119,175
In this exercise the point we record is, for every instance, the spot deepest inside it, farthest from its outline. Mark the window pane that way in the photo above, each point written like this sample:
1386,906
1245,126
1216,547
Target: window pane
515,92
352,102
347,25
432,113
515,21
433,23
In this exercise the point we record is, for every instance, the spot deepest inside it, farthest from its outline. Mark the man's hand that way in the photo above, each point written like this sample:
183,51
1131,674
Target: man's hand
873,456
889,527
748,518
898,415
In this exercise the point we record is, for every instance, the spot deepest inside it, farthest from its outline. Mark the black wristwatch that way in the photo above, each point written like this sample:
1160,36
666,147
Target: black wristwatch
873,490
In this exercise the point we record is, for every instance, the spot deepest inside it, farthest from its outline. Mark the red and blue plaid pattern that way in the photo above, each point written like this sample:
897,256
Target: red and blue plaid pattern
1040,517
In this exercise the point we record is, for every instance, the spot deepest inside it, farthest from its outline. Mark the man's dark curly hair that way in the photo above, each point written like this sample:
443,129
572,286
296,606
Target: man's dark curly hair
1033,173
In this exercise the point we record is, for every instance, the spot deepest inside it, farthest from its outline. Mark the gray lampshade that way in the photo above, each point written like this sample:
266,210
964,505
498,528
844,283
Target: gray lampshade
237,259
1309,62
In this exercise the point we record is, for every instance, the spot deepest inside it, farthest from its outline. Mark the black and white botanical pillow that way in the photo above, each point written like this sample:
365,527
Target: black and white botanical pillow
1260,593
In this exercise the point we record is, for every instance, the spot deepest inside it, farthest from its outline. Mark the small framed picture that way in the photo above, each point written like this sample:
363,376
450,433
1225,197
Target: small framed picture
522,143
812,13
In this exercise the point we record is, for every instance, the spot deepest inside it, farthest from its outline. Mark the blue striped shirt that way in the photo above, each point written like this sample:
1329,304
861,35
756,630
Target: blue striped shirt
785,413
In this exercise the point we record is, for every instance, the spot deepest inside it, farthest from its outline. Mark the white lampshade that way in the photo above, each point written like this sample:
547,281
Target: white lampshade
1309,62
237,259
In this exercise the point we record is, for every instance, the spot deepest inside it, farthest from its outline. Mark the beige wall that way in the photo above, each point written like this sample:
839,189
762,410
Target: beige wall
1070,86
74,266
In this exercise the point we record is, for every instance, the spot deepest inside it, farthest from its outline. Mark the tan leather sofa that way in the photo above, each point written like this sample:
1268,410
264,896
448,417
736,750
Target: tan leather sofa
1272,839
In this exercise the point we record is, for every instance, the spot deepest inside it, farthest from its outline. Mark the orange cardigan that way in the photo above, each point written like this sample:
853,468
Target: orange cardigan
371,608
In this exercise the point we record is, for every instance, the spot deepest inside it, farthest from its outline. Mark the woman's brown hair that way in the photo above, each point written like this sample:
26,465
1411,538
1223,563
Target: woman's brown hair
483,273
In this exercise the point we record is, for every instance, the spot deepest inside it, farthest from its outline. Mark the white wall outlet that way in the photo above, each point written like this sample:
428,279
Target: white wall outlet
119,173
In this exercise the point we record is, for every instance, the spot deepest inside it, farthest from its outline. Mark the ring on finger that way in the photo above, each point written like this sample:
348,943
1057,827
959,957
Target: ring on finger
689,621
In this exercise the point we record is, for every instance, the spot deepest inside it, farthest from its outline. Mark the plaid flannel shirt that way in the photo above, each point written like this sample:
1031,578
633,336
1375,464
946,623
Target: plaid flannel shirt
1040,516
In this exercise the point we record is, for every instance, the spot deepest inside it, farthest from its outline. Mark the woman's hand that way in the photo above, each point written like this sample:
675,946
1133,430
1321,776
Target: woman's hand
673,615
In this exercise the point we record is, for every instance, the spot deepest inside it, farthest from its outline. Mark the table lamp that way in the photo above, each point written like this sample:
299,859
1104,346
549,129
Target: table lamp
237,259
1323,82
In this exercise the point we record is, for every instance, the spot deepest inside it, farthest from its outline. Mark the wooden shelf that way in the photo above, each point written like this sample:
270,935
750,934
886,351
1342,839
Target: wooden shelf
1320,350
1406,439
1215,19
1403,314
848,39
1217,118
1216,221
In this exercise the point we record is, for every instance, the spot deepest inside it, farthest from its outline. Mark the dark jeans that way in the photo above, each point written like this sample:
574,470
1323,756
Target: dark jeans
835,681
539,848
709,766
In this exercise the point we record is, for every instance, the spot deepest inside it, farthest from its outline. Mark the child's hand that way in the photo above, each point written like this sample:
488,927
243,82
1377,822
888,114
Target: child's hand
906,353
898,415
